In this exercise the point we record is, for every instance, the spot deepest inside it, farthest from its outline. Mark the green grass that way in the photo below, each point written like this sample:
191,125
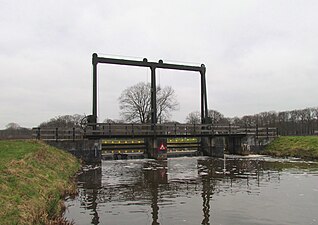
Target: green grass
296,146
33,179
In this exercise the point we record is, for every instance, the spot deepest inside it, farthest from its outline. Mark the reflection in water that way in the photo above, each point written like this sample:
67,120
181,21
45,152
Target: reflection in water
207,192
89,183
155,174
183,191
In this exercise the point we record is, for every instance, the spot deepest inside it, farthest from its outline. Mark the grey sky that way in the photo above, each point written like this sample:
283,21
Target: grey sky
260,55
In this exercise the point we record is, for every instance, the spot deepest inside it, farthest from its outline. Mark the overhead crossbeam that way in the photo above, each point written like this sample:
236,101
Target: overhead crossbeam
145,63
153,66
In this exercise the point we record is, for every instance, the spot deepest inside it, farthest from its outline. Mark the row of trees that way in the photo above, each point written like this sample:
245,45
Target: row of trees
294,122
135,107
65,121
15,131
215,117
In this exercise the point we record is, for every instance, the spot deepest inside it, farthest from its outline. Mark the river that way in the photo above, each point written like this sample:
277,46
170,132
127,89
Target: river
197,190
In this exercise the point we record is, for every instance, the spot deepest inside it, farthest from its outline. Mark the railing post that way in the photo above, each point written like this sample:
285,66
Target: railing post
256,131
155,129
56,134
267,132
109,129
132,130
167,129
38,135
175,129
73,133
230,129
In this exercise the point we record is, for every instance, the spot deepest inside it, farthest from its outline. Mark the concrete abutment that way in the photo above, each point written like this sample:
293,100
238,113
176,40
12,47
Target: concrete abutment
87,150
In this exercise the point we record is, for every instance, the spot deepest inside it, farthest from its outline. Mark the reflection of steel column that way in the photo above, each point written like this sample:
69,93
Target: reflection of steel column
154,178
94,61
92,182
153,96
154,206
95,219
206,195
208,188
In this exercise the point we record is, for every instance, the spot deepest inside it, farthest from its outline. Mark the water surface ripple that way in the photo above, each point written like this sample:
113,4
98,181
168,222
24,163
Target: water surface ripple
197,190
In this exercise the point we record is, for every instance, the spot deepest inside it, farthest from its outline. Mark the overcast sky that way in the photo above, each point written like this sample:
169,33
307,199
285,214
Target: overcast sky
260,55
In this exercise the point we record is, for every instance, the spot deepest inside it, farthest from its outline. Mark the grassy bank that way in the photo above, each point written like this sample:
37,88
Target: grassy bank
296,146
33,178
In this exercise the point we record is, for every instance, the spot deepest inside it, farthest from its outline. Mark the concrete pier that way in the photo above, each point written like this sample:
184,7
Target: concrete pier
213,146
157,148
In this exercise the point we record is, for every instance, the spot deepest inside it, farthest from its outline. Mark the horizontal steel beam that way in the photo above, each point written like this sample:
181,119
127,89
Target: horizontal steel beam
145,63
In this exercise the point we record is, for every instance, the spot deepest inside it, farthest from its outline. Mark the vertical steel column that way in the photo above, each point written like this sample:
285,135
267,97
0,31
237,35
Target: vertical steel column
153,96
206,113
202,98
204,104
94,61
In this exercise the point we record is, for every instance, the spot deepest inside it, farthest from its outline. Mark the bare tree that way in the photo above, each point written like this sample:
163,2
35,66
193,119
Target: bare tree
65,121
15,131
166,102
236,121
306,116
107,120
135,103
194,118
315,119
13,126
217,117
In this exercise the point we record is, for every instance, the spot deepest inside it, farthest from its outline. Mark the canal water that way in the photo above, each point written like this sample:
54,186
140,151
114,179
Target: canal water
197,190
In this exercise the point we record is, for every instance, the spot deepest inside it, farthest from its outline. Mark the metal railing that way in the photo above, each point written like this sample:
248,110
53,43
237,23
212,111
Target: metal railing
57,134
109,130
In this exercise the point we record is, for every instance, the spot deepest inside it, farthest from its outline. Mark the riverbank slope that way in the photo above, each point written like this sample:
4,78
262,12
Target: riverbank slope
33,178
305,147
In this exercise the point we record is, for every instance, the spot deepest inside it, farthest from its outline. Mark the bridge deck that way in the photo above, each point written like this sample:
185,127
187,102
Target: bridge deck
108,130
